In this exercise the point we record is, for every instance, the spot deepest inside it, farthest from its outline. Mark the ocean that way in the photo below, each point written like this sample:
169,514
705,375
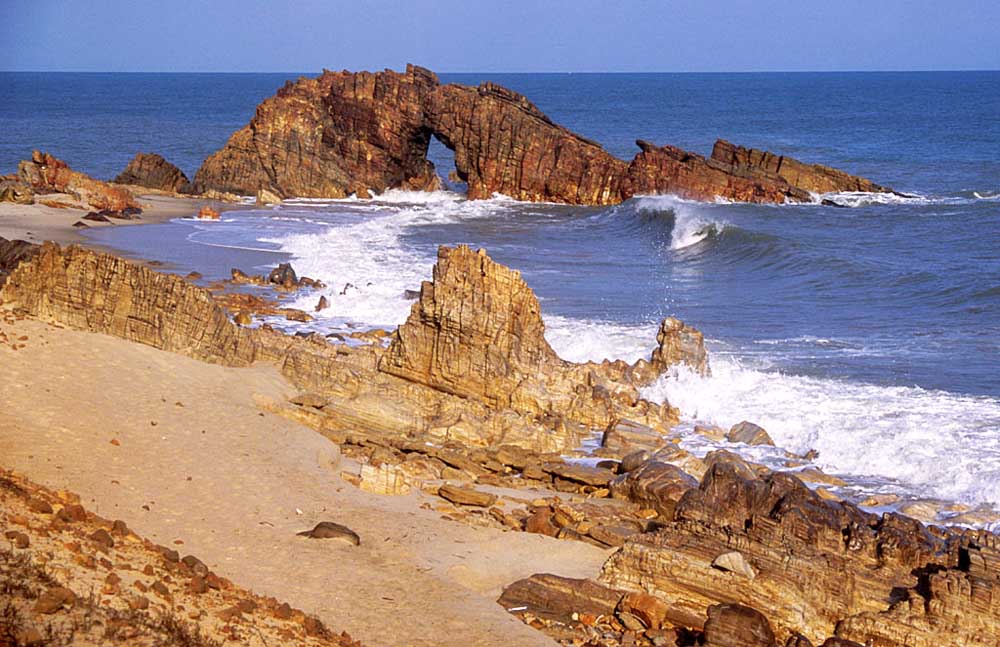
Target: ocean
871,333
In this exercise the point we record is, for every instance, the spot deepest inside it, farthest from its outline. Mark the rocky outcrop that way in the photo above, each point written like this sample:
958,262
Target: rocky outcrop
815,562
504,144
329,137
815,178
470,365
45,173
348,133
13,190
152,171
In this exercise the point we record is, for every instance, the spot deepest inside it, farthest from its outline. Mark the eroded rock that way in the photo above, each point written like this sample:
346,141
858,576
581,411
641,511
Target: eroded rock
153,171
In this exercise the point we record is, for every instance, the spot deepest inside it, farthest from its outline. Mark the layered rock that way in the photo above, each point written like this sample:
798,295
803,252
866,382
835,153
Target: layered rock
153,171
504,144
329,137
470,365
45,173
344,133
812,563
12,253
816,178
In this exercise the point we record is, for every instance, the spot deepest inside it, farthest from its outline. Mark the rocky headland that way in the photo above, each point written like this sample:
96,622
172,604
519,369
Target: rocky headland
345,133
469,409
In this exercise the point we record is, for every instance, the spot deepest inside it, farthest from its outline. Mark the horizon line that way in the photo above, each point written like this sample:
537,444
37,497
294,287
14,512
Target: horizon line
566,72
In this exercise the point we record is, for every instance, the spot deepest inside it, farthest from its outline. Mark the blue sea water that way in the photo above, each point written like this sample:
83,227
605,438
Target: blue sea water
870,333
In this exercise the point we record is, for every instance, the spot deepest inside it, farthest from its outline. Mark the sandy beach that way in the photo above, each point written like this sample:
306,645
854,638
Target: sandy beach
38,222
196,460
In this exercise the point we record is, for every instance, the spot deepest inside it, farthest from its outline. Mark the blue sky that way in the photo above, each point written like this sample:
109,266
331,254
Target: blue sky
493,36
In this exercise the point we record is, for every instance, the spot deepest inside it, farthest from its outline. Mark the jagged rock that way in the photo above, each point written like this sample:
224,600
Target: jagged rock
749,433
266,197
348,133
469,365
16,192
152,171
476,331
43,172
322,304
807,177
283,275
680,344
816,561
654,485
735,625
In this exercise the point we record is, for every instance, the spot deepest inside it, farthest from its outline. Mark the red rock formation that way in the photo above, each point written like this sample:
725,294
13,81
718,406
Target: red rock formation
331,136
816,178
344,133
152,171
43,172
504,144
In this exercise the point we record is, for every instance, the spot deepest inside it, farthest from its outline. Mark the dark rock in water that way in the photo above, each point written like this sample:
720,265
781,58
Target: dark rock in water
152,171
322,304
345,132
331,530
827,202
409,295
96,217
283,275
79,224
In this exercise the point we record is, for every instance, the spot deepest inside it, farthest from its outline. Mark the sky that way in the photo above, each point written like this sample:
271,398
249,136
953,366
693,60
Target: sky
498,36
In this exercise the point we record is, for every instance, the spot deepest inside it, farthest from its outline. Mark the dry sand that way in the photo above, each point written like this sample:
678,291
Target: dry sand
197,461
38,222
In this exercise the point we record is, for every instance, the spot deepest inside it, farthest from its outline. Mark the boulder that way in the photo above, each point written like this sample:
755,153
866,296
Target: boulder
680,344
44,172
559,598
749,433
152,171
284,276
654,485
625,437
266,197
735,625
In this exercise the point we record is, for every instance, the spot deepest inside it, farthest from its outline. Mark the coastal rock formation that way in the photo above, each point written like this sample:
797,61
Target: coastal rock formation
13,190
329,137
815,178
152,171
45,173
346,133
470,365
504,144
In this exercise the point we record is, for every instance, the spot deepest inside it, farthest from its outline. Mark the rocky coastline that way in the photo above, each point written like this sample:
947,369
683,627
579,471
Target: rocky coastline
469,408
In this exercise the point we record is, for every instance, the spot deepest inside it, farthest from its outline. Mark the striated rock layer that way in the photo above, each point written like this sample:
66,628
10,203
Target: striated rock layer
152,171
471,364
348,133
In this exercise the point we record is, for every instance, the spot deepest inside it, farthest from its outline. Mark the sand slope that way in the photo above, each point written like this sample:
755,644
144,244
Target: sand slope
197,461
